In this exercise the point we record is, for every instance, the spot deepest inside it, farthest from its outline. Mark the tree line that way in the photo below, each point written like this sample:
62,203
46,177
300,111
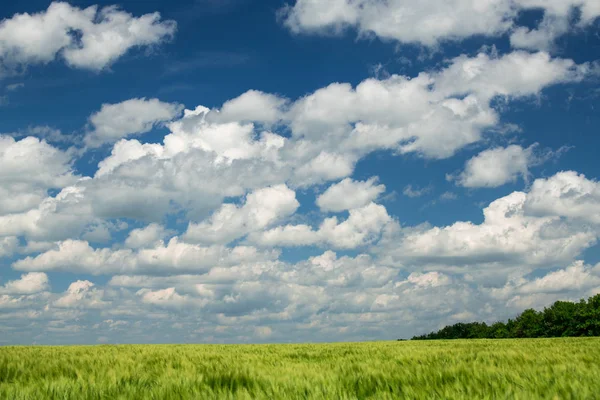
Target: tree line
561,319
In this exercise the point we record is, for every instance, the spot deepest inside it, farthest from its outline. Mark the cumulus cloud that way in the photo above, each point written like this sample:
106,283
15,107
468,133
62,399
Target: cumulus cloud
81,294
163,298
235,175
145,237
496,167
252,106
78,256
65,215
349,194
28,168
8,245
206,159
131,117
363,226
31,283
89,38
262,208
511,235
566,194
430,23
570,283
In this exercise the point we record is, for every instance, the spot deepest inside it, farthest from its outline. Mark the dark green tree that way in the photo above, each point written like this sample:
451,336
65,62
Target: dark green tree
563,318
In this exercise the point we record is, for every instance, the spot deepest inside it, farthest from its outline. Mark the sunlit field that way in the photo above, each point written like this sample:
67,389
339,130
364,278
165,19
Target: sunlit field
475,369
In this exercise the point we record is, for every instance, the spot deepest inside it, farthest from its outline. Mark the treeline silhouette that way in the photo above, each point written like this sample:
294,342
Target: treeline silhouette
561,319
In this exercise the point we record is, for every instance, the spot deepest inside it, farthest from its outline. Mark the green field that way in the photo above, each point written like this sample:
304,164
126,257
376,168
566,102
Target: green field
475,369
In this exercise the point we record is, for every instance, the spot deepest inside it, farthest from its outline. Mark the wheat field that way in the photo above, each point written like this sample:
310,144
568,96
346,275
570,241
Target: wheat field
560,368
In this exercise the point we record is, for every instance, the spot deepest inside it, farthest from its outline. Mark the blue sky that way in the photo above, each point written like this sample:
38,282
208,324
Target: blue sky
245,171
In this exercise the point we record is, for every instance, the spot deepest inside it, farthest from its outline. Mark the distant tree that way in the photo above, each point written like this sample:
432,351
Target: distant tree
529,324
498,330
559,319
563,318
588,317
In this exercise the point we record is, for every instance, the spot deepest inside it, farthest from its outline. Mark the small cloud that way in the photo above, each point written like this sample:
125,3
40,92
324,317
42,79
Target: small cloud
49,134
413,192
448,196
15,86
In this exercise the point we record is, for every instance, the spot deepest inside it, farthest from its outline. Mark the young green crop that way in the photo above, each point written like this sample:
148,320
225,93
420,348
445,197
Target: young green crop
566,368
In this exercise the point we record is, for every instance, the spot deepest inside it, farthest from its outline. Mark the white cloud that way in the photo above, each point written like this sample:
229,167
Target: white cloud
434,114
56,218
31,283
513,75
363,226
262,208
414,192
145,237
175,256
252,106
349,194
82,294
88,38
566,194
164,298
8,245
131,117
507,238
429,22
544,36
429,279
28,168
571,284
496,167
574,277
204,160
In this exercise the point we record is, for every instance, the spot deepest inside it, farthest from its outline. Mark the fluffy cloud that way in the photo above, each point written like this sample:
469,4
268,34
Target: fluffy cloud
350,297
81,294
28,168
430,23
234,171
566,194
495,167
569,283
252,106
434,114
262,208
363,226
8,245
349,194
145,237
131,117
88,38
55,218
78,256
207,157
510,235
163,298
31,283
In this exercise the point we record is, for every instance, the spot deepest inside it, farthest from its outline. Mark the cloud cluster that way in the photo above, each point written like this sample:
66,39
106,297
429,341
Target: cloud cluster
131,117
89,38
548,226
225,230
430,22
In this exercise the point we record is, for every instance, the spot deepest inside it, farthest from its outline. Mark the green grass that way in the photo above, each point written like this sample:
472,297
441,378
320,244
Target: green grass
566,368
